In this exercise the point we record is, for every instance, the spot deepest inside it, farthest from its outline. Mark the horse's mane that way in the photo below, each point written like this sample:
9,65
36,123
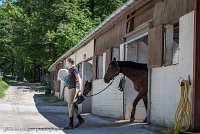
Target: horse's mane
131,64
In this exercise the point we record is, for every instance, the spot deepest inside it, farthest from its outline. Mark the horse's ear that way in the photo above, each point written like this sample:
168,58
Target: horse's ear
114,59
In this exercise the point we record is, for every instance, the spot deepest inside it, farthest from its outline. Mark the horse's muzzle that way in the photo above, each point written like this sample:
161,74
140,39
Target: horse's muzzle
106,80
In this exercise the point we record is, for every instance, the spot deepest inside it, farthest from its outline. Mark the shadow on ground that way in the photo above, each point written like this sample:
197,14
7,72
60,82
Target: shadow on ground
56,116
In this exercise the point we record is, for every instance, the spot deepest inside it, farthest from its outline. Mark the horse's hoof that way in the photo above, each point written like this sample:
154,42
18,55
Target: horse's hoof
132,119
145,120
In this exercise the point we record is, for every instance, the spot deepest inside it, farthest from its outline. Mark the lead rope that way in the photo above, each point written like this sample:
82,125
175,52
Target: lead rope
103,89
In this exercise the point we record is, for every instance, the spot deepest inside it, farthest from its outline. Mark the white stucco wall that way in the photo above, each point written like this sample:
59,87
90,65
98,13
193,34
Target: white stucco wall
87,50
73,56
165,89
109,103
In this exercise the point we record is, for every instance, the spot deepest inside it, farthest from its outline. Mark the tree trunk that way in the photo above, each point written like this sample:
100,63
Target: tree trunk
92,5
21,71
54,55
35,71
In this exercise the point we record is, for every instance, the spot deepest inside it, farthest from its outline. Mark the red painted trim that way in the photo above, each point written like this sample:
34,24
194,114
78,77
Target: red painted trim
196,67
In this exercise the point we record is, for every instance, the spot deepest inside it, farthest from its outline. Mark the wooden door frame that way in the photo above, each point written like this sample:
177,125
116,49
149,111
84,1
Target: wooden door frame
196,68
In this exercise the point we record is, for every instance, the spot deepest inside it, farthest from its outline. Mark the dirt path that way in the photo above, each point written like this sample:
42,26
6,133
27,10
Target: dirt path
23,107
23,111
21,95
26,94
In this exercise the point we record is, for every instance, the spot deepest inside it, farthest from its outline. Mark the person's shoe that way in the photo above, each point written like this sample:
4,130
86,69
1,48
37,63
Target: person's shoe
71,123
69,127
145,120
132,118
80,121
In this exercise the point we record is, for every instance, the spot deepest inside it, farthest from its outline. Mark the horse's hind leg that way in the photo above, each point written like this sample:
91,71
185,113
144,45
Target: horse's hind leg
135,102
145,104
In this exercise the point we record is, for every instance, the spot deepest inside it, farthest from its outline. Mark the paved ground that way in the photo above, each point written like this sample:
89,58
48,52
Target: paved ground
23,111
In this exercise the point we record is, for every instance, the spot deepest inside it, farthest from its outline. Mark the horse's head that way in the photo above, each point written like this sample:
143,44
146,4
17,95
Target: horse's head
113,70
87,88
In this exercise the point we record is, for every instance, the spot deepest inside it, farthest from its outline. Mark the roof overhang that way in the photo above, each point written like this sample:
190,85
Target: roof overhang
117,15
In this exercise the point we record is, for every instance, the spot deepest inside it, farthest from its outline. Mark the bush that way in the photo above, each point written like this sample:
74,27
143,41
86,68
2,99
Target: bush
1,77
10,82
3,87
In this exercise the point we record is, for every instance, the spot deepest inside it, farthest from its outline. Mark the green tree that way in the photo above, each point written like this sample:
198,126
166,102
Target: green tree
6,51
34,33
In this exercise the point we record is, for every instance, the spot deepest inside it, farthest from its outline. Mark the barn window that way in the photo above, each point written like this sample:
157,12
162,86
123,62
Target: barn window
116,53
176,44
171,44
140,16
79,66
130,24
137,50
110,54
65,64
99,67
94,74
108,58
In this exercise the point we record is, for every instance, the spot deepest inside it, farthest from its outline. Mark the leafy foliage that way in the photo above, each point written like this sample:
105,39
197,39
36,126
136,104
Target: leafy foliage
3,87
34,33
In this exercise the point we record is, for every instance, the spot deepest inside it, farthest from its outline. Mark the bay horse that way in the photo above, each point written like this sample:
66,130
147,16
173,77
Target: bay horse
87,88
137,73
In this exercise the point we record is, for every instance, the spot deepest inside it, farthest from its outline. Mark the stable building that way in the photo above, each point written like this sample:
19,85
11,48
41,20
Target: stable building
160,33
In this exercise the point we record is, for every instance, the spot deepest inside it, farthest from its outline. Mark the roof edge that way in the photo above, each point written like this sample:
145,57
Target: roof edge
87,37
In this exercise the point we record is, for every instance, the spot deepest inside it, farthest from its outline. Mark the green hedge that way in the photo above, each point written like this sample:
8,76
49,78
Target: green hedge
3,87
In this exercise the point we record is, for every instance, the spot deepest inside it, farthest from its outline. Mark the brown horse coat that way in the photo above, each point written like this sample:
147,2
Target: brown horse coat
137,73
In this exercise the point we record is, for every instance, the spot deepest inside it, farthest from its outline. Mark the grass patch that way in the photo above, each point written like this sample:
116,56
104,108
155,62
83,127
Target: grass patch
11,82
52,99
3,87
41,88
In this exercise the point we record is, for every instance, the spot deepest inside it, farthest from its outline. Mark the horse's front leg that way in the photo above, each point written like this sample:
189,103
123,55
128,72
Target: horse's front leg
135,102
145,104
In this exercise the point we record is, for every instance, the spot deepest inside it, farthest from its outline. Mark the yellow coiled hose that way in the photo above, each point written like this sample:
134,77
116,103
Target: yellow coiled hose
184,110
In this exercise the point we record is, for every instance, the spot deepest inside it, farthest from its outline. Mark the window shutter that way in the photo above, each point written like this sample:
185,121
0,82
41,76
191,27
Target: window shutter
115,53
155,47
99,67
108,58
